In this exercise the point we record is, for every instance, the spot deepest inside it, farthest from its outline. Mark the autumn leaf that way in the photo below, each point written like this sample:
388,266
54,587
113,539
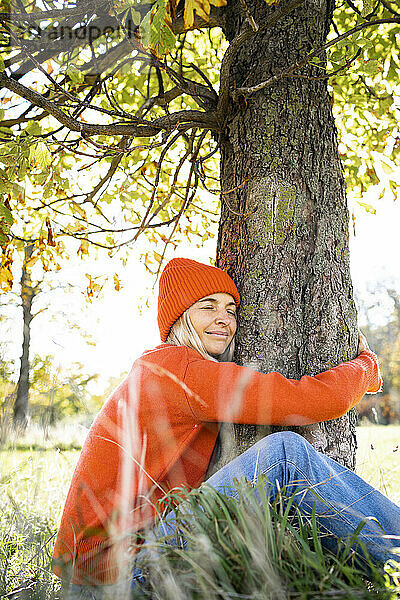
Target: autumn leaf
83,248
6,276
31,261
77,208
117,283
50,234
6,279
94,287
202,9
155,29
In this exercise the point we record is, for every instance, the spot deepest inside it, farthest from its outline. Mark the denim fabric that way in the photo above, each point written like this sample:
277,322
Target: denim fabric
342,499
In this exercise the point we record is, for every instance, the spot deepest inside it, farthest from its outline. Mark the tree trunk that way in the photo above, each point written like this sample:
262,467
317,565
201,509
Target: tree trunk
28,291
283,232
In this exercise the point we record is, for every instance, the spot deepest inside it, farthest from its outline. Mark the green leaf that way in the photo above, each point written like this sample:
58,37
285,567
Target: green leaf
336,55
367,7
75,75
33,128
42,156
371,67
5,214
2,66
17,190
8,160
155,31
386,102
364,43
136,16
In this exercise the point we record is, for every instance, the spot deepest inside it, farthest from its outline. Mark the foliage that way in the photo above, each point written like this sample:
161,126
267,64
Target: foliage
365,98
54,395
112,116
57,395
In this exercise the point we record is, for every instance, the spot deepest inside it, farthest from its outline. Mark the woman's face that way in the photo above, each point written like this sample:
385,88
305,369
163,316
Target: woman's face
214,319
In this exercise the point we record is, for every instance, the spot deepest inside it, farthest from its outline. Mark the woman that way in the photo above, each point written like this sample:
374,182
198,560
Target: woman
159,428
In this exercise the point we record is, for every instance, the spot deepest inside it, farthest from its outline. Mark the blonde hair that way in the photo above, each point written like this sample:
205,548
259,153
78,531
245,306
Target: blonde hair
182,333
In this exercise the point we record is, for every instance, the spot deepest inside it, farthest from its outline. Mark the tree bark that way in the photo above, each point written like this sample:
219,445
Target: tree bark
283,232
28,292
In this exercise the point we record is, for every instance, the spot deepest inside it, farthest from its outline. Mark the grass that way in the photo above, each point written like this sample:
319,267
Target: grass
243,548
378,458
229,557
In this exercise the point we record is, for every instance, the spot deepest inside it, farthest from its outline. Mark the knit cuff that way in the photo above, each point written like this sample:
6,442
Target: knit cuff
375,379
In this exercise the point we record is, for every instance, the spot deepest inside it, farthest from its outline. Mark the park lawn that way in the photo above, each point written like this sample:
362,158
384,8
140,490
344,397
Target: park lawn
378,458
39,479
34,483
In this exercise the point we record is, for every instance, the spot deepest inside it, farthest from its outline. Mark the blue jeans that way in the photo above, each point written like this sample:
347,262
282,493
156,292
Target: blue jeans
341,499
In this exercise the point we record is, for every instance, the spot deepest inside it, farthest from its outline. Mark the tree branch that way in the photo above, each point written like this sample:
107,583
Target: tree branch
247,91
206,120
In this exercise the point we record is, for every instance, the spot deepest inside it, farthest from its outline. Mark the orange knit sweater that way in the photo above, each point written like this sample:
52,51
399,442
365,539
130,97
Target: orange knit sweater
158,430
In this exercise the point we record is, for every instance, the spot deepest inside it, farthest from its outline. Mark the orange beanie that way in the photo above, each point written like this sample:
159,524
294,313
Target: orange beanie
183,282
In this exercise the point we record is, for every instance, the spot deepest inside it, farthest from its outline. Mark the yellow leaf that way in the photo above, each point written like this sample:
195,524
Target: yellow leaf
77,208
29,263
387,168
188,15
84,247
43,157
202,8
117,283
6,279
94,287
75,227
218,2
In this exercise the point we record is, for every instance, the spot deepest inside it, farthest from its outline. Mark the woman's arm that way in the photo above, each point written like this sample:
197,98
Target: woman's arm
237,394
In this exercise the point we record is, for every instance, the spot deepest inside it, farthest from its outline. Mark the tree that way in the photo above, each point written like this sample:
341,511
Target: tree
132,88
28,293
32,299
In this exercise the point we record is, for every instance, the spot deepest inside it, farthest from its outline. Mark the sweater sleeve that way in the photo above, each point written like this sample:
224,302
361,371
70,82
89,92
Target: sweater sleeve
231,393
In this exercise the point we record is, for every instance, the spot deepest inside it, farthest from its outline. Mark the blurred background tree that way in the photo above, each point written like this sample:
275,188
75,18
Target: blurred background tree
384,407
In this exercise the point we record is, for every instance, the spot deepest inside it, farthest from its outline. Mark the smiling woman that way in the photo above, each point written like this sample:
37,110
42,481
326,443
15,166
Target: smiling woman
158,431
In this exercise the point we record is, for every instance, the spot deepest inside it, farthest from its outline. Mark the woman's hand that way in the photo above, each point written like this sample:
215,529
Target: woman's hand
362,343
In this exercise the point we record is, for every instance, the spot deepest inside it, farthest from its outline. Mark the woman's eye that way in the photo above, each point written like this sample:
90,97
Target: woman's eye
208,307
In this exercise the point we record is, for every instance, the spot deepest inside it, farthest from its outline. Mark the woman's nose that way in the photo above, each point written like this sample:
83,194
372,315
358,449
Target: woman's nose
223,317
